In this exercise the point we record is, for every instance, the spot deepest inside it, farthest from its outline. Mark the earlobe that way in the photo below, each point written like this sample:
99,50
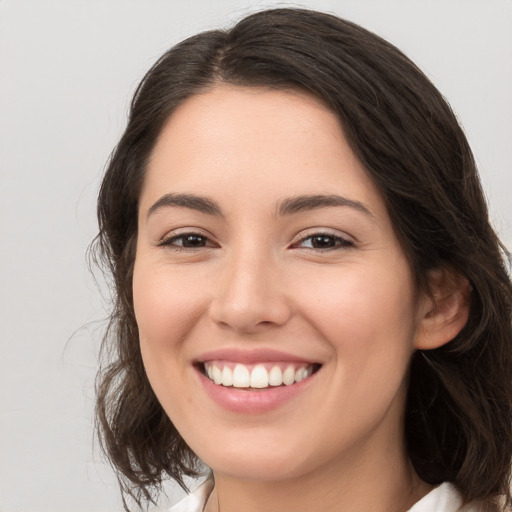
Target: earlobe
444,313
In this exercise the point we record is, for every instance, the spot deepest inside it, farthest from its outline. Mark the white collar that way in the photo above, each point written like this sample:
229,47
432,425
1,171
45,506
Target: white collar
444,498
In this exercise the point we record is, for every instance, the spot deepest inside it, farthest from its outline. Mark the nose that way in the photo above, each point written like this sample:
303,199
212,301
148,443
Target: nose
250,295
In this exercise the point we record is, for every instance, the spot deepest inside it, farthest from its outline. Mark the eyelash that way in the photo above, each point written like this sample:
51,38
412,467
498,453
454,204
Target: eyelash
338,241
170,242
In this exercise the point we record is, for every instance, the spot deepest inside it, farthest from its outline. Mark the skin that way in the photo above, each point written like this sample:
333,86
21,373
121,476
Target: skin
255,280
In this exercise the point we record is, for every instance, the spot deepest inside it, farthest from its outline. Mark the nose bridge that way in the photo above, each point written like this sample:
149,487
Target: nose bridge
248,276
249,293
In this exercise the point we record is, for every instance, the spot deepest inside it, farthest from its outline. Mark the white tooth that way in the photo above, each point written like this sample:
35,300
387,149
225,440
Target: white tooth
289,376
217,375
298,375
227,376
275,377
209,371
259,377
241,377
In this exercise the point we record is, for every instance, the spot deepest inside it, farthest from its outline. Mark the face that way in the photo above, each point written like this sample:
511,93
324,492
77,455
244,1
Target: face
266,259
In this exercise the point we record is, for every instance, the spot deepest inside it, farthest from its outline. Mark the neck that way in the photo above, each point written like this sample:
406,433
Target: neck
381,482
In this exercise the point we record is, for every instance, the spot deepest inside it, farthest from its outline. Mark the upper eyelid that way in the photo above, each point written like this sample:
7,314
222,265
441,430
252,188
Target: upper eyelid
167,243
166,240
307,233
302,235
345,243
186,231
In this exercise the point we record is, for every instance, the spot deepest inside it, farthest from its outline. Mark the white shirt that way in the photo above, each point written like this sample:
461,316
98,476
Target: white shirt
444,498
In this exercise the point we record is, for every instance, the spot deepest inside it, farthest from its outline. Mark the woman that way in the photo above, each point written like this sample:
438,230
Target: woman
310,300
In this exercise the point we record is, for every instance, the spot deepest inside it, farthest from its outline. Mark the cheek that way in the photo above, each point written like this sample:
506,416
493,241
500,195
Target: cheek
367,321
366,315
166,309
165,305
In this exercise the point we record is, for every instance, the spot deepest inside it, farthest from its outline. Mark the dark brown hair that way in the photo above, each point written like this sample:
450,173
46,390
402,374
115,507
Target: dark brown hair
458,411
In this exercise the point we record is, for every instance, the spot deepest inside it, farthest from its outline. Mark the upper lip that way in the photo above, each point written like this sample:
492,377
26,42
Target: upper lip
252,356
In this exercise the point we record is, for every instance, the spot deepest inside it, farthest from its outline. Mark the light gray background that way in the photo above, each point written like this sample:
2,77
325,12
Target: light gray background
67,70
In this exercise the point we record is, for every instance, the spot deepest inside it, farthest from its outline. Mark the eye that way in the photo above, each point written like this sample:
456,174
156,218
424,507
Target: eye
187,241
323,241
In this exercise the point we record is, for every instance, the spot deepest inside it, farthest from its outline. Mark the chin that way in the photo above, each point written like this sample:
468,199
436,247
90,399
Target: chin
268,464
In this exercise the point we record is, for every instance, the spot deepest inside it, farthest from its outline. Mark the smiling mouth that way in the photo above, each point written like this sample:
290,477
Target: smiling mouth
257,376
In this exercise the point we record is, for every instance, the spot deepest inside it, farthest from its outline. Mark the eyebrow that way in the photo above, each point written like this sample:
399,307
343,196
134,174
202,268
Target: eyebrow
192,201
312,202
286,207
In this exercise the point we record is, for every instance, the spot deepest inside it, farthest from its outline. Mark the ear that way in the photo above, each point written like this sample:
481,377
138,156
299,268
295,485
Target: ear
445,311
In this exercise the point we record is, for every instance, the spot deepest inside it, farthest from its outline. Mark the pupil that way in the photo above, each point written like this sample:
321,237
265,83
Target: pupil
322,241
193,241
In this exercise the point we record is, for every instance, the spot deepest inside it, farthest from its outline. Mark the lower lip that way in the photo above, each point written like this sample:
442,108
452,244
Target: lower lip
253,402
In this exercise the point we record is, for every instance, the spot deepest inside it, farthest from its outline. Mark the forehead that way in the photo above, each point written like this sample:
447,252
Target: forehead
250,142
